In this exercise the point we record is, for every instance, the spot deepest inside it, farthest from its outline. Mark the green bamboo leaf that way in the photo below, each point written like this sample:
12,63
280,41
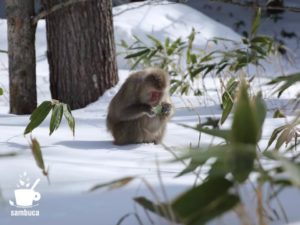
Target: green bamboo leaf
221,67
37,154
292,169
228,98
278,114
69,117
152,53
156,41
190,168
256,22
38,116
157,109
261,40
1,91
220,168
275,134
139,53
135,64
285,82
245,135
225,134
204,202
283,137
167,42
209,68
56,117
199,157
208,57
161,209
245,126
241,160
260,112
124,44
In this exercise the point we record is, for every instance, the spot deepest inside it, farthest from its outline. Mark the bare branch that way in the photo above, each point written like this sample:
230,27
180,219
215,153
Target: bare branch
136,6
54,8
287,8
3,51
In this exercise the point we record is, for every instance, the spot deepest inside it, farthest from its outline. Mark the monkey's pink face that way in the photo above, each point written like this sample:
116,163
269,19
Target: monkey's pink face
154,97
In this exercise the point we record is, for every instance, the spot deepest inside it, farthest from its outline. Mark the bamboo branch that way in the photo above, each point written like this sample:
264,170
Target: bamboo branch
288,8
53,9
3,51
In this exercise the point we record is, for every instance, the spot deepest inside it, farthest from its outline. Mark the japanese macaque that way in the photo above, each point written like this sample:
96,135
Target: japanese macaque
139,112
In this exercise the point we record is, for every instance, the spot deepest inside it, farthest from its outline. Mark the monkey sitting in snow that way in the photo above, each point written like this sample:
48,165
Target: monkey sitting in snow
139,112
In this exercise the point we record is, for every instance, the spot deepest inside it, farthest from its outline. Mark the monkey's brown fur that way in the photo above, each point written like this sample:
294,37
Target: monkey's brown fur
130,117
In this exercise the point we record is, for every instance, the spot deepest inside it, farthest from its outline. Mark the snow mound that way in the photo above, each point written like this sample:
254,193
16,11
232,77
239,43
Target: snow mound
163,20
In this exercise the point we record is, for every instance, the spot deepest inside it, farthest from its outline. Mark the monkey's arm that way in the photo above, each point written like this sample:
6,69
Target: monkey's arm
135,111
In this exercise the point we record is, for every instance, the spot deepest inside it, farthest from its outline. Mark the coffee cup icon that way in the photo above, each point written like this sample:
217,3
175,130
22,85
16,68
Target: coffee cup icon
25,197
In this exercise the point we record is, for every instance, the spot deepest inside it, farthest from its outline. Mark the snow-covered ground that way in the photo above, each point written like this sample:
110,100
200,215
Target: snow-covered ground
78,163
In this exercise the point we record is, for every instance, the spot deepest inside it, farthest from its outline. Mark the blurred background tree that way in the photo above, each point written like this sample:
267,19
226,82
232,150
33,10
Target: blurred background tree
81,51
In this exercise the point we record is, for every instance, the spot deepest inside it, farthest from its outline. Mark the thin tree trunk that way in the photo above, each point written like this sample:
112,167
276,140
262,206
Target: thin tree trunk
81,51
21,55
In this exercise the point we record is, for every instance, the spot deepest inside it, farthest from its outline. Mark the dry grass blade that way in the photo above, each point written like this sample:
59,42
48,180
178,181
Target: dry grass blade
114,184
38,156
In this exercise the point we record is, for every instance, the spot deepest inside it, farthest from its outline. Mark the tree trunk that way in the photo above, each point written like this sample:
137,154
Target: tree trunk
81,51
21,55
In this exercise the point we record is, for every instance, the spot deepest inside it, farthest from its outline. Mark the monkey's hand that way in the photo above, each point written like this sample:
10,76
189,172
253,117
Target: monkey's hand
164,109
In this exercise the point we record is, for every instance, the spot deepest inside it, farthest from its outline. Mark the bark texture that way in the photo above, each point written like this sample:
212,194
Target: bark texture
81,51
21,55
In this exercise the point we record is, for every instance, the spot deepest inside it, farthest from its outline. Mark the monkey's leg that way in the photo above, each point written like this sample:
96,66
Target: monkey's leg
128,132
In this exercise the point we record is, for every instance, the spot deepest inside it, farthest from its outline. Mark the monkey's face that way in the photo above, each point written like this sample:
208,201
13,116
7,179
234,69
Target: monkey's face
154,97
154,87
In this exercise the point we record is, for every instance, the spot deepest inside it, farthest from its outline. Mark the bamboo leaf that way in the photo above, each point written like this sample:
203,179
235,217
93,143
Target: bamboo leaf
163,210
38,116
292,169
256,22
205,202
285,82
283,137
190,168
260,112
37,154
156,41
139,53
69,117
245,134
56,117
174,46
241,160
278,114
225,134
200,156
114,184
228,98
275,134
245,126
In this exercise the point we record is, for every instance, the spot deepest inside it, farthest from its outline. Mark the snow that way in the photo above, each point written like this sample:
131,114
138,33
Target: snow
165,20
78,163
